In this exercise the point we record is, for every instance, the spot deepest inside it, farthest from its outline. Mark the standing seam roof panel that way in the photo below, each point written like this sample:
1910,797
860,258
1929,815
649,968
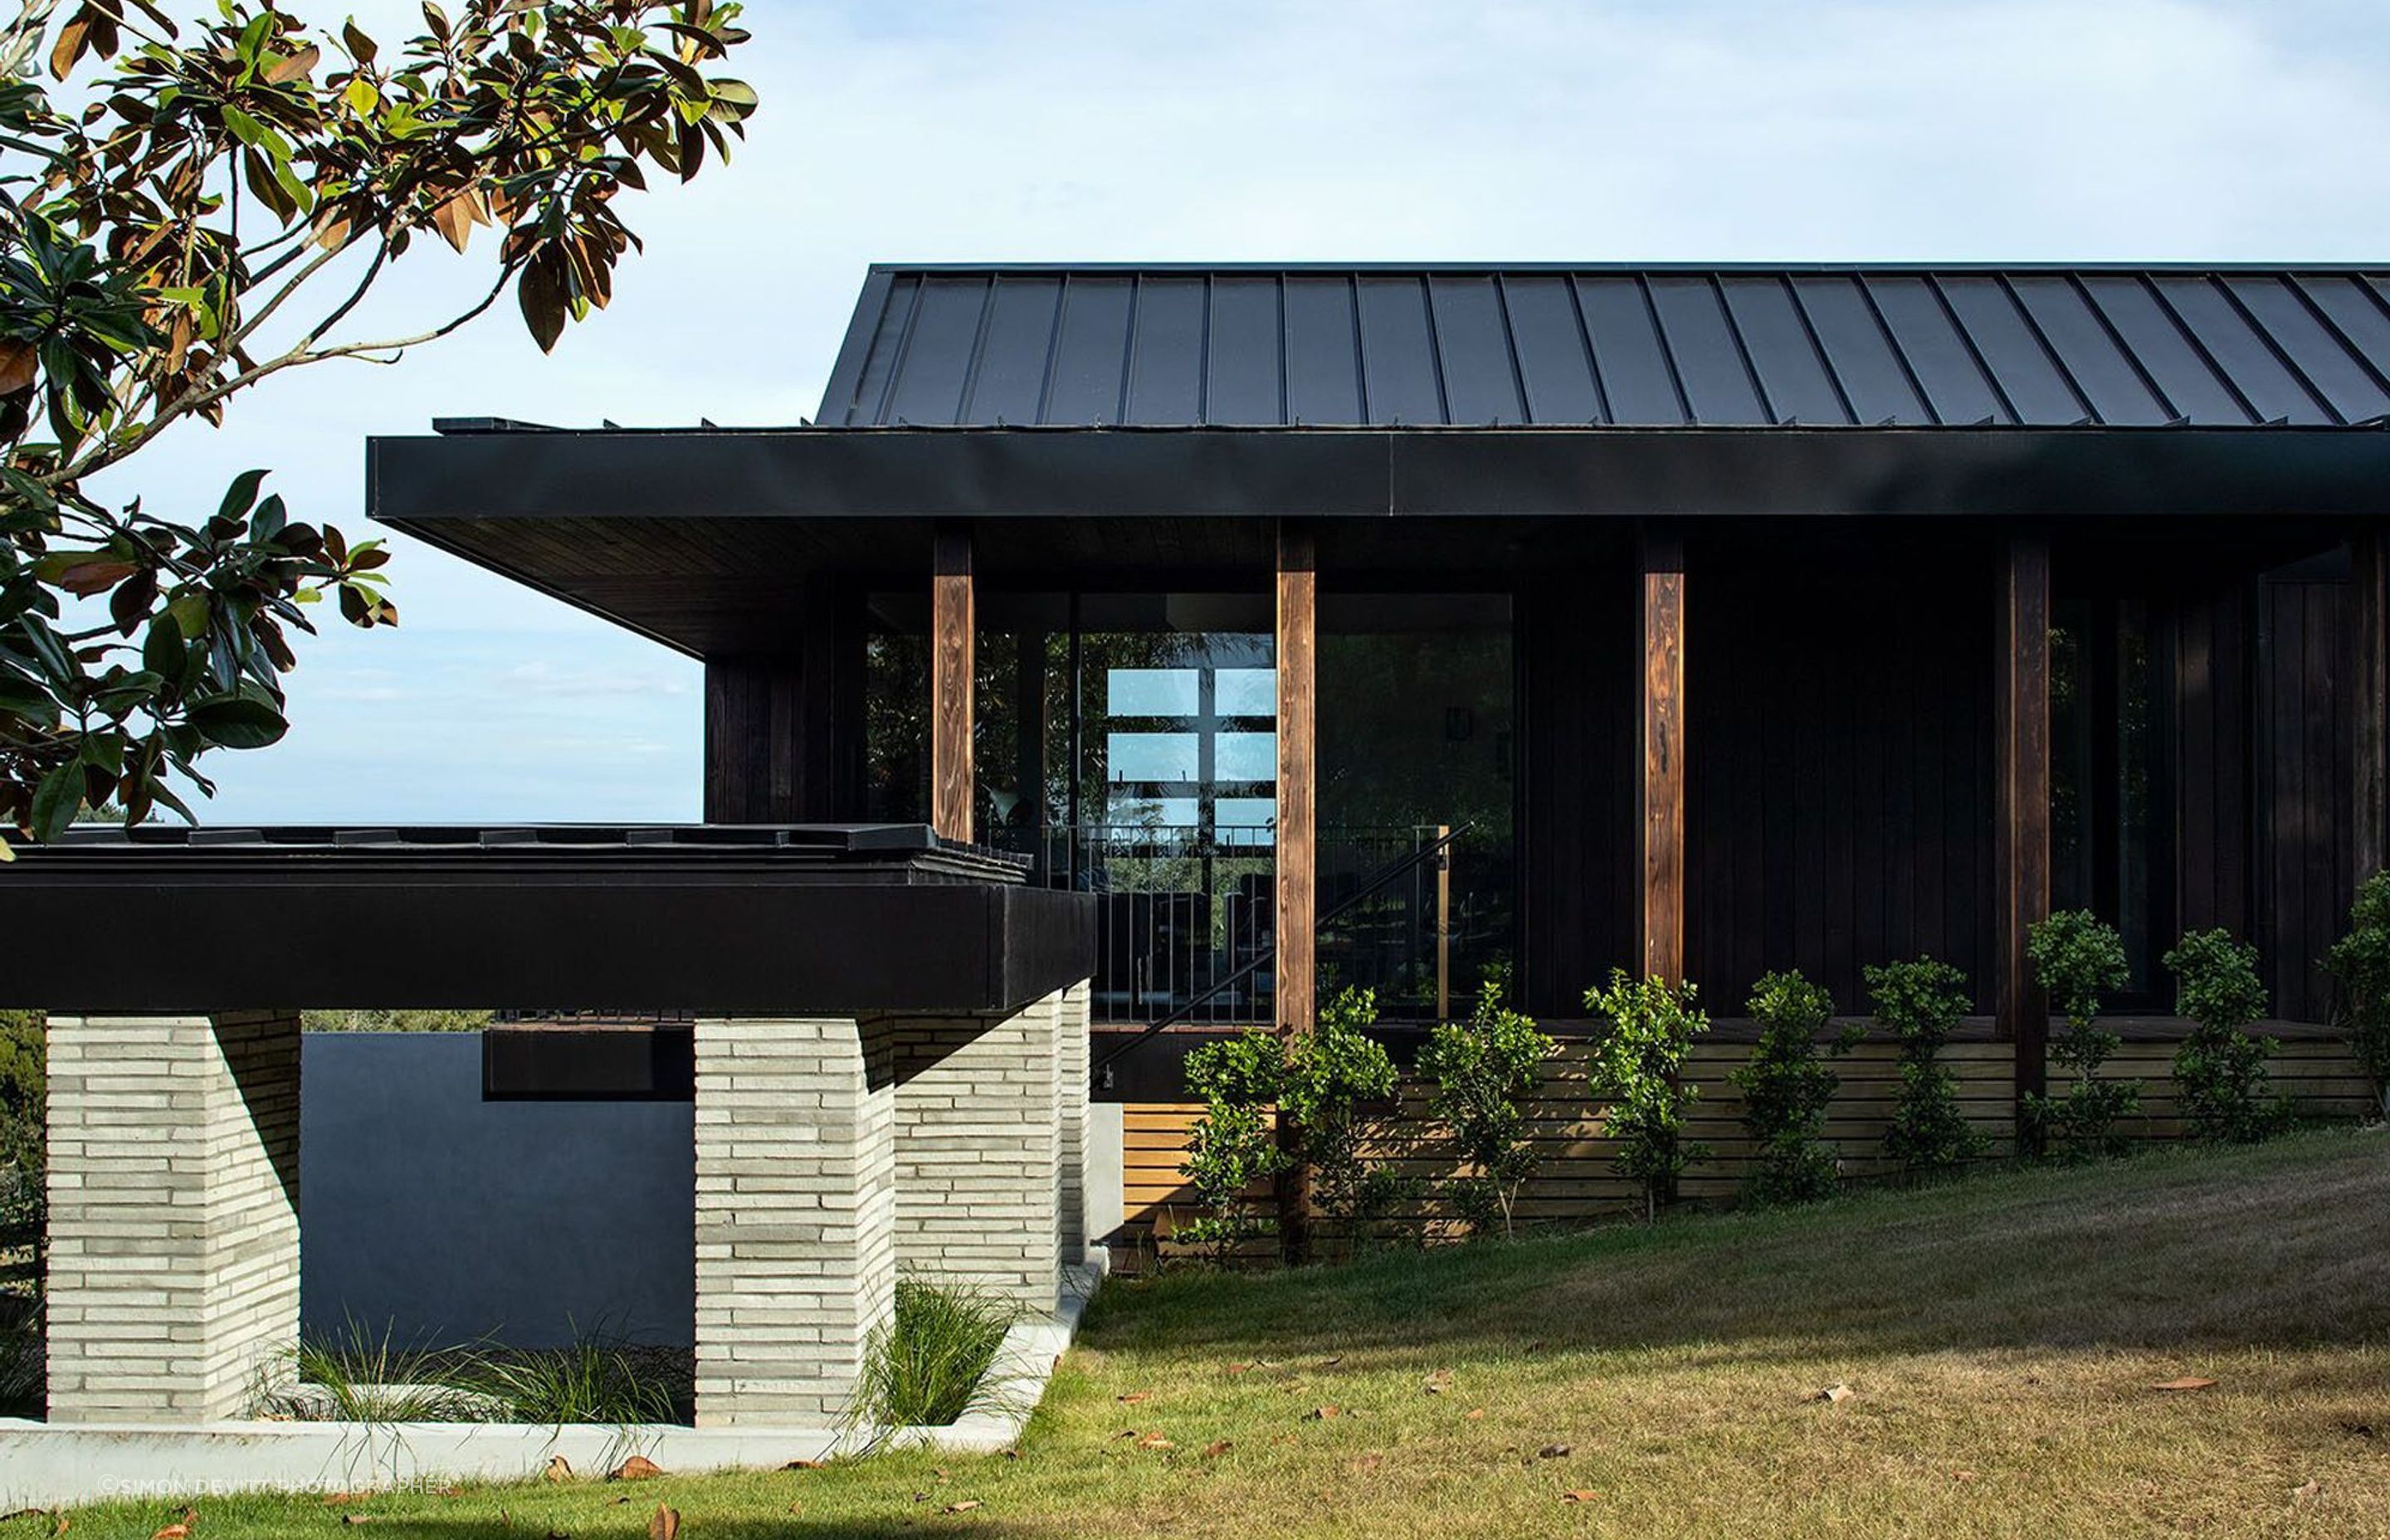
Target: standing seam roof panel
1629,347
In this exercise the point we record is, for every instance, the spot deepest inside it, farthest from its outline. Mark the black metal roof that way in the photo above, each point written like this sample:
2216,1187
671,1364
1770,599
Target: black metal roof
1624,346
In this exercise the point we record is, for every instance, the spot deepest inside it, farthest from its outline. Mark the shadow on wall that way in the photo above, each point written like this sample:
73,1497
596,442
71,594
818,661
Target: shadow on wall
426,1212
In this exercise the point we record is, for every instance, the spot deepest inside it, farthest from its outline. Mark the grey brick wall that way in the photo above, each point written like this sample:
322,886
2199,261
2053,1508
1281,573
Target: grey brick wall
796,1214
174,1189
1072,1029
978,1150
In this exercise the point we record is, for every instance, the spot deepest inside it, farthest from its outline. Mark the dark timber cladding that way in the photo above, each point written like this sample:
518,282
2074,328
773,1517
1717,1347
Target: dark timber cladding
2369,592
2022,846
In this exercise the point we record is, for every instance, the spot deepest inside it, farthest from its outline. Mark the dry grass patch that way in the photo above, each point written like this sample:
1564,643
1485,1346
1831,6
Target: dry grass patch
2000,1338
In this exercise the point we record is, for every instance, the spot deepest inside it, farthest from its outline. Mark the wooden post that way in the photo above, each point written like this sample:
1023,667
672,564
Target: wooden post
1443,923
953,626
1660,802
1297,965
2369,683
2020,843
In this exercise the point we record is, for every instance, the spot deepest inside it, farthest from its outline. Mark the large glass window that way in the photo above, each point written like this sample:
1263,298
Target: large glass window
2105,840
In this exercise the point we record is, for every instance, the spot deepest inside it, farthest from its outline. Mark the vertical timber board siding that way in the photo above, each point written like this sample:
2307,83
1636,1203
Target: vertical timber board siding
953,626
2021,731
1661,806
781,729
1828,837
1579,882
1297,639
2369,676
2213,731
2305,715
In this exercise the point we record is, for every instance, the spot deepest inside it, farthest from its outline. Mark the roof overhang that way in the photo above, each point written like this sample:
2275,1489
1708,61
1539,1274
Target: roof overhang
843,920
696,538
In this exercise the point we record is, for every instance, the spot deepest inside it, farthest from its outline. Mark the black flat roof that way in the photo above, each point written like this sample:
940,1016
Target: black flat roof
757,920
1615,345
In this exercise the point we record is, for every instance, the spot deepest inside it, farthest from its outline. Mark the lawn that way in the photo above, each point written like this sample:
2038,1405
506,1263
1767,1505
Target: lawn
2000,1340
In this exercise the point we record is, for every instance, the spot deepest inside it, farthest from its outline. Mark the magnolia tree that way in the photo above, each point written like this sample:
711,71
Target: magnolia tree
189,210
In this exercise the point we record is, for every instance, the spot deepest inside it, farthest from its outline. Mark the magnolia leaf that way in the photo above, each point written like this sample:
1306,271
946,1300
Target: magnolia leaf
19,366
238,721
73,39
57,800
665,1525
638,1467
297,67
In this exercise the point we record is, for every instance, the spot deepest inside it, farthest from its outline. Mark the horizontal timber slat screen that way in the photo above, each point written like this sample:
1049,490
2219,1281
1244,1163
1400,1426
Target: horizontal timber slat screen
1576,1183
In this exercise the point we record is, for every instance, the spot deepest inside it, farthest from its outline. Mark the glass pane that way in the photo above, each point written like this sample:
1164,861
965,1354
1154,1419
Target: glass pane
1153,756
1416,726
1245,692
1154,691
1251,757
1247,817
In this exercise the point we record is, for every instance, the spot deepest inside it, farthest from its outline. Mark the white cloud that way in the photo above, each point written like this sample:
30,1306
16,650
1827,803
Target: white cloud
1404,130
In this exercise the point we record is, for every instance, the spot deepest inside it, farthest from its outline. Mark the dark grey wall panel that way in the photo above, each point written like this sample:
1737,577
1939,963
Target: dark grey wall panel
428,1212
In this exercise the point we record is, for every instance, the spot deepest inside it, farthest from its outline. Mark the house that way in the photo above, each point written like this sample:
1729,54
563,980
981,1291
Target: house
1231,629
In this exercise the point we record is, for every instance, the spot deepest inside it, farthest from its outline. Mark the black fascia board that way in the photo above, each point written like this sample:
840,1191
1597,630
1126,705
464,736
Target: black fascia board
418,483
511,928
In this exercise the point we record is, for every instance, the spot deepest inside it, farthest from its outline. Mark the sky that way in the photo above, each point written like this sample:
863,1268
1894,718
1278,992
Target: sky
1673,130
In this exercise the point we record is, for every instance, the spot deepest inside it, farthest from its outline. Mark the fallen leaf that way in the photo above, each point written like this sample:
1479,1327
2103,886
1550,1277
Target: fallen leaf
1155,1440
1238,1368
939,1472
2188,1383
1552,1452
2308,1489
1582,1494
173,1532
1962,1475
1330,1363
665,1525
1835,1394
1133,1397
796,1508
1474,1414
1012,1454
1321,1414
1216,1448
638,1467
560,1534
964,1507
64,1524
558,1469
1438,1382
802,1465
1368,1462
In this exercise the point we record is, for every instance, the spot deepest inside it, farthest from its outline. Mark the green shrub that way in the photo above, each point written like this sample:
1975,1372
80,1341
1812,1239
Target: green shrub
2359,962
1920,1003
1635,1068
24,1084
1484,1072
927,1365
2077,958
395,1020
2220,1071
1325,1085
1787,1088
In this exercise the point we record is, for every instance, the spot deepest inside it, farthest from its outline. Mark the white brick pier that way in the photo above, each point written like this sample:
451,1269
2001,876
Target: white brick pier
173,1194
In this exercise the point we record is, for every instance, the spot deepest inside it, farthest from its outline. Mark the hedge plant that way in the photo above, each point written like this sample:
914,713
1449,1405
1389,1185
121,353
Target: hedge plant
1482,1074
2078,958
1787,1089
2219,1071
1920,1003
2359,962
1635,1069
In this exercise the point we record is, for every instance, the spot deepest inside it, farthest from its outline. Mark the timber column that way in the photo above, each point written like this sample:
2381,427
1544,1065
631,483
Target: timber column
952,636
1660,788
1297,965
2021,840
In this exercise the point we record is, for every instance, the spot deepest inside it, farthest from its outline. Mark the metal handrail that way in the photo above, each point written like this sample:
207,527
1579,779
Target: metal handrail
1391,871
